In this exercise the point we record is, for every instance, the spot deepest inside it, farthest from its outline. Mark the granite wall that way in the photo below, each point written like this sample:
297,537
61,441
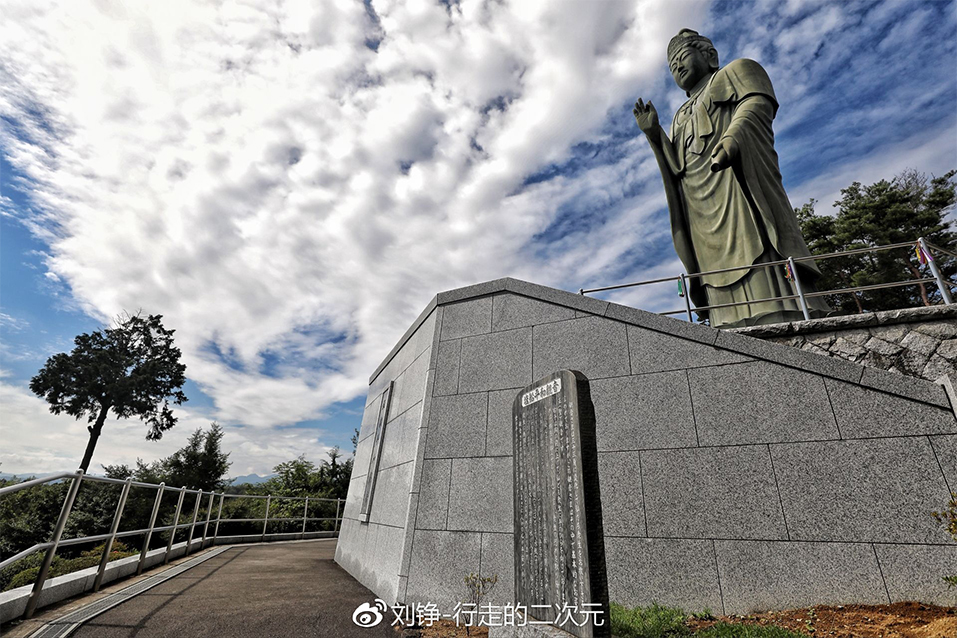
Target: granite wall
735,474
374,551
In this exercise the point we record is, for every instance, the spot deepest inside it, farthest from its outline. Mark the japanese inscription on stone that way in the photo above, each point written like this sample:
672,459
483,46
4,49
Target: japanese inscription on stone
559,547
376,453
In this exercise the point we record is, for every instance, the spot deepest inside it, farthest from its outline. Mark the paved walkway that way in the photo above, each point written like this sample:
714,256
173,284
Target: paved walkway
249,591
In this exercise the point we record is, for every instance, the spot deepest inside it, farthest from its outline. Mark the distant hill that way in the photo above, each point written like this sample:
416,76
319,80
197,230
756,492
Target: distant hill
25,475
254,479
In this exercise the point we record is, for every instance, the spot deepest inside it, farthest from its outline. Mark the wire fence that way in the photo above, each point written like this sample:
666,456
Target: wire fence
924,250
267,517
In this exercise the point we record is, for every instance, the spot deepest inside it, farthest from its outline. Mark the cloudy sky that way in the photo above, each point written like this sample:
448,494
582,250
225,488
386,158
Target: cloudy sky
289,182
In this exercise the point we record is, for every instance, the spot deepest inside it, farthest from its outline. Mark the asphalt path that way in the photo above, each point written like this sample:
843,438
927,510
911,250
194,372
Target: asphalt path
251,591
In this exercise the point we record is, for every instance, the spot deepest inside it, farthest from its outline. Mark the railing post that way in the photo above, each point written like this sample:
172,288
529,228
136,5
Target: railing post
113,529
687,295
266,519
219,516
941,284
209,513
57,533
192,528
172,532
335,523
797,285
149,534
305,510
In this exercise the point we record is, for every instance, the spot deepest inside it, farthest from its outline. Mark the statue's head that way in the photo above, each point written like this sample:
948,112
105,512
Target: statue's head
691,57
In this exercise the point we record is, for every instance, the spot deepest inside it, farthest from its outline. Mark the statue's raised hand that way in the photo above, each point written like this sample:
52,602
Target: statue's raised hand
646,116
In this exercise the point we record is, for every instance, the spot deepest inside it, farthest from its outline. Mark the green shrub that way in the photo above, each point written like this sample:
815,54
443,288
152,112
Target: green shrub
28,569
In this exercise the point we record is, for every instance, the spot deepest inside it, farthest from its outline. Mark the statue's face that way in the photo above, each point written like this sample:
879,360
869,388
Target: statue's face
688,67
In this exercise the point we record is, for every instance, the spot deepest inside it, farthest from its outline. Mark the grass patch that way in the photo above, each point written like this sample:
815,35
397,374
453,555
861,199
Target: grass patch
648,622
724,630
657,621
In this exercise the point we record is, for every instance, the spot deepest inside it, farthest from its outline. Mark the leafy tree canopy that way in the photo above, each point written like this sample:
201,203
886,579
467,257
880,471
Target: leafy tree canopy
299,477
131,369
886,212
200,464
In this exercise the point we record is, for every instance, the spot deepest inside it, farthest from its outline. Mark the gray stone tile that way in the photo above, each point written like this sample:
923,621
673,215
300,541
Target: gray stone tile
357,486
416,339
433,510
789,356
758,576
594,346
643,411
711,493
559,297
360,464
466,318
498,559
447,368
622,509
760,402
390,500
457,426
498,440
407,531
945,447
653,351
402,588
674,573
387,556
369,416
917,389
440,563
470,292
665,325
409,387
401,438
496,361
422,438
480,499
868,490
863,412
511,311
914,572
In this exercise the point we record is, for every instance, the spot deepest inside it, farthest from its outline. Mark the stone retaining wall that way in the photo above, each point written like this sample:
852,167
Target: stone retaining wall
917,342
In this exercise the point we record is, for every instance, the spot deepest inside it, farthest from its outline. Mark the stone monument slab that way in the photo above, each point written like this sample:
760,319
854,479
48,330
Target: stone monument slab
559,544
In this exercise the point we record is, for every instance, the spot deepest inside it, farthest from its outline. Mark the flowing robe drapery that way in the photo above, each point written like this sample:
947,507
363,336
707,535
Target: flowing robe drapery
738,216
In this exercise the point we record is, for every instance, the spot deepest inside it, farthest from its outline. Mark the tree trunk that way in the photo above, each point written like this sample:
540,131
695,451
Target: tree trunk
923,290
95,430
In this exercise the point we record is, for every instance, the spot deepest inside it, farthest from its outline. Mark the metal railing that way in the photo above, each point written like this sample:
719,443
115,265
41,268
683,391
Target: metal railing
922,246
79,477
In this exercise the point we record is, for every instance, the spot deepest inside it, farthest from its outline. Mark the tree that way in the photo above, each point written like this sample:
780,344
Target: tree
886,212
299,477
200,464
131,369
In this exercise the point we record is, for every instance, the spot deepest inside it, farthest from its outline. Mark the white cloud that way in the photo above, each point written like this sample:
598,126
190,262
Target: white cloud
290,182
272,185
36,441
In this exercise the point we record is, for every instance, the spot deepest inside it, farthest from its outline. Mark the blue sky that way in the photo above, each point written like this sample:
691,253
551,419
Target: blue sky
290,183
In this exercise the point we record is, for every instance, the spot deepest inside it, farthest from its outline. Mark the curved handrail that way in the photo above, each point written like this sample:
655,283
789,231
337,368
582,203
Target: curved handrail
920,244
79,477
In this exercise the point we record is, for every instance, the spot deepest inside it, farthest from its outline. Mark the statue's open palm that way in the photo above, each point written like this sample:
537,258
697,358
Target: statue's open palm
646,116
